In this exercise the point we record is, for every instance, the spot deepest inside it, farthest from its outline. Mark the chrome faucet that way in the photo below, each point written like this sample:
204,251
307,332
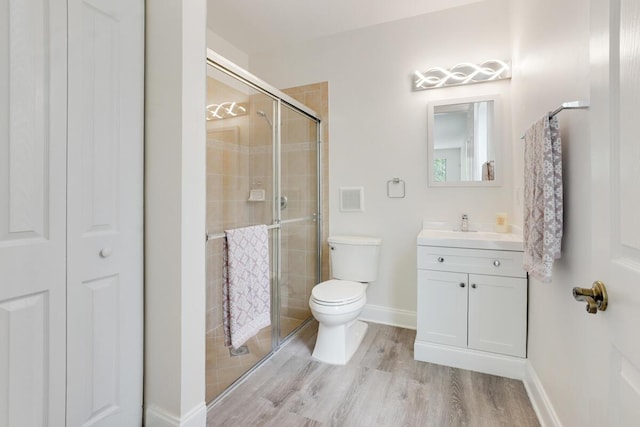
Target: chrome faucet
464,223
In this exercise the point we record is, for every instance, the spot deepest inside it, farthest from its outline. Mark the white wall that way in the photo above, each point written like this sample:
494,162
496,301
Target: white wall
228,50
378,128
175,214
551,65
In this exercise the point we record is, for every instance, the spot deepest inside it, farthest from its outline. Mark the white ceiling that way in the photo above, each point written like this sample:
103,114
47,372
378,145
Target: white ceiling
261,25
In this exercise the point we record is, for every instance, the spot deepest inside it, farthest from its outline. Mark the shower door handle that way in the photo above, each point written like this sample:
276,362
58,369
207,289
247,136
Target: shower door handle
284,202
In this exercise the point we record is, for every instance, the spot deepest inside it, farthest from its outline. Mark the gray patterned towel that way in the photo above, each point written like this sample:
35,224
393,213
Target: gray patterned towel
245,290
542,231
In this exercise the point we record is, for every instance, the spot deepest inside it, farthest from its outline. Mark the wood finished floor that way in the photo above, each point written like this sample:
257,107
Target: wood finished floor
381,386
222,369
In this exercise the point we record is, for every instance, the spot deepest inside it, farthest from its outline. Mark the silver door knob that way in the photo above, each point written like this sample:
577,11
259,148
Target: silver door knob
105,252
440,259
496,263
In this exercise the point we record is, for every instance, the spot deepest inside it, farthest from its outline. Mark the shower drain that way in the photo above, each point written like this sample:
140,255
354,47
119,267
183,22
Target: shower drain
242,350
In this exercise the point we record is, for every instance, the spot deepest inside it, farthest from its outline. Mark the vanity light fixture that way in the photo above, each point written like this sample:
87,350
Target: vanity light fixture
225,110
463,73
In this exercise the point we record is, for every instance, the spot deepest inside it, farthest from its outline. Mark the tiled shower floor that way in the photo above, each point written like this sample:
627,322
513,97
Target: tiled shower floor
223,369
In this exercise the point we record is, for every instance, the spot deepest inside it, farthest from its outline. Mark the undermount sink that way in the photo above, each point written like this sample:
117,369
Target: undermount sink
471,239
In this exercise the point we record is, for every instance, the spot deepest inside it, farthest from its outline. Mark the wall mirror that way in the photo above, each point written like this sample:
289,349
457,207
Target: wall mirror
463,142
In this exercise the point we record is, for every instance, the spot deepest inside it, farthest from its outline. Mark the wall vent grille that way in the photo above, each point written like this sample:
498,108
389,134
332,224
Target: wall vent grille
351,199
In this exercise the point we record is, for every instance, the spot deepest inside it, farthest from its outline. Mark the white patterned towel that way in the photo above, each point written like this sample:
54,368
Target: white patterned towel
246,291
543,211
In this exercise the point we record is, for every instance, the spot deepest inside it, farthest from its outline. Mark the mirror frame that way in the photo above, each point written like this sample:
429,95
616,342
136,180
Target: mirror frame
496,140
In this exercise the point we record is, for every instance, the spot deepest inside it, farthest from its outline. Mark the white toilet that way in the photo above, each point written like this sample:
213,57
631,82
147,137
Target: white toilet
337,303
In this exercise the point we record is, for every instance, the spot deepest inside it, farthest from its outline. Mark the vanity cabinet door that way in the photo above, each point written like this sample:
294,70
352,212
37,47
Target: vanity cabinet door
498,314
442,307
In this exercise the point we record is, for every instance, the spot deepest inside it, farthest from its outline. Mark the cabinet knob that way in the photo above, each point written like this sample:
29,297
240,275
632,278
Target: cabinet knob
105,252
496,263
440,259
462,284
473,285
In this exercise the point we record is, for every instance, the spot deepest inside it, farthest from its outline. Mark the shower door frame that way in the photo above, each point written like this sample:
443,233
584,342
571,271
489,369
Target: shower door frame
229,68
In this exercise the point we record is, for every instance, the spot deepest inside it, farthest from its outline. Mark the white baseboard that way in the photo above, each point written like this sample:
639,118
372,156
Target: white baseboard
488,363
389,316
157,417
539,399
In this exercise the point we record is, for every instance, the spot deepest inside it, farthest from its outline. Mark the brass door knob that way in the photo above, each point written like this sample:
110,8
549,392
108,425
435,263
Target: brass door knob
596,297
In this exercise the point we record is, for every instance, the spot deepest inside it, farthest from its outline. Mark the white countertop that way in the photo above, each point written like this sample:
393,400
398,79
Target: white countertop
444,234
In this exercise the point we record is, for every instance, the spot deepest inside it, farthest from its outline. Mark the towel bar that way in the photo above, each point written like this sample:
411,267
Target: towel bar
221,235
278,224
570,105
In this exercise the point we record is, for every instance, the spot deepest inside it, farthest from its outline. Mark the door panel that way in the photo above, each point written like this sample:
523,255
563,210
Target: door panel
443,298
23,356
105,213
625,174
32,217
298,213
624,256
625,391
27,120
98,122
615,174
498,314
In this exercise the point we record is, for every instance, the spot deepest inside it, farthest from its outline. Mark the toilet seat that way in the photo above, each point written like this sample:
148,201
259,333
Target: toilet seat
338,292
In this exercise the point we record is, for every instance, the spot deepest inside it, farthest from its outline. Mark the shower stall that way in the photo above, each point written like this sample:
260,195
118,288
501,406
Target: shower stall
263,167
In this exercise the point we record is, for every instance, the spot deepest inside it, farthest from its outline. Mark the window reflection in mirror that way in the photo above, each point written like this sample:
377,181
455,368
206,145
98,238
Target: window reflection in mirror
462,146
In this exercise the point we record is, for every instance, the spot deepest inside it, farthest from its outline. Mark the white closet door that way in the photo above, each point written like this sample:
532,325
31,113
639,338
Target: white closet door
32,212
105,167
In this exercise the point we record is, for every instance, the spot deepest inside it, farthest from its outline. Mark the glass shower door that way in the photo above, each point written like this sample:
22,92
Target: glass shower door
240,193
299,269
262,168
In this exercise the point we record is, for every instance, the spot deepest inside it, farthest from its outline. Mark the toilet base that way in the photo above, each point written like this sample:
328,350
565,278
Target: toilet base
337,344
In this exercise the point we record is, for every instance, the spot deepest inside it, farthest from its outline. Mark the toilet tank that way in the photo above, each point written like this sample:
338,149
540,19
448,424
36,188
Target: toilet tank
354,258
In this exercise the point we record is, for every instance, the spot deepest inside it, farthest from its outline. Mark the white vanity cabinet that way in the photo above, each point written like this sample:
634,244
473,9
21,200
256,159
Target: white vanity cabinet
472,309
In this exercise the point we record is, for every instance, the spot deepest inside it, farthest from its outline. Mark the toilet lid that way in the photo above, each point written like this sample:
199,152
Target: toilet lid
338,292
